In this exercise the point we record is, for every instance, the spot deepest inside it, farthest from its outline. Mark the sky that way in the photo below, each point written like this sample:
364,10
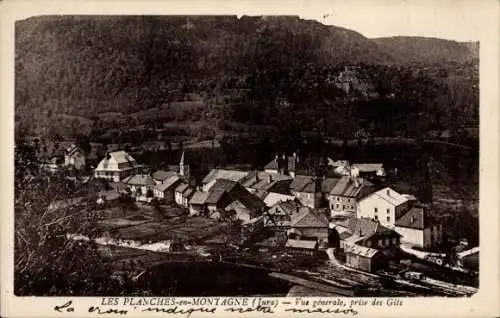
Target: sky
460,20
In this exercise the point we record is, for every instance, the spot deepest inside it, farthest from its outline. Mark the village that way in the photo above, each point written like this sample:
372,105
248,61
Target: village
342,233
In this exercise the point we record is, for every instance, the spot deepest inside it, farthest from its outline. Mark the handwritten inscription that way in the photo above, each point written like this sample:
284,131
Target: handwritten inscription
176,310
323,311
65,308
107,311
209,305
259,308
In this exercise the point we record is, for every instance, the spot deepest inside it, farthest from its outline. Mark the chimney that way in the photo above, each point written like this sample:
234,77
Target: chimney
256,176
269,179
388,192
297,208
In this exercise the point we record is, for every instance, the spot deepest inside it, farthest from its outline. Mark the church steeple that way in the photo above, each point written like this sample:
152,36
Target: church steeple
183,168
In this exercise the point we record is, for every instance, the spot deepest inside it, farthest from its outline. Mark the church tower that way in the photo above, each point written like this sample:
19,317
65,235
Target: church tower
183,168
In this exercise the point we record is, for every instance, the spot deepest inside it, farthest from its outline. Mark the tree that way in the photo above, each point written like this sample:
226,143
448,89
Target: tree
46,260
83,142
126,202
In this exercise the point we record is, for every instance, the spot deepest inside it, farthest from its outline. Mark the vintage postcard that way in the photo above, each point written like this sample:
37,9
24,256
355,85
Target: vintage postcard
249,158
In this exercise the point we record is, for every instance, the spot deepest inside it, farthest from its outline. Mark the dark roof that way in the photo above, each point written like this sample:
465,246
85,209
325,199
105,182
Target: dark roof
260,180
303,184
162,175
307,218
367,227
214,196
415,218
235,191
182,187
199,198
71,150
233,175
140,179
223,184
328,184
346,187
168,183
188,192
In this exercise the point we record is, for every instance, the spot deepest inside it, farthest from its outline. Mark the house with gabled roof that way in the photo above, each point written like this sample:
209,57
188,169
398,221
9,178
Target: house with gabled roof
311,224
365,258
197,203
385,206
301,247
226,174
161,175
307,189
418,229
272,198
346,193
368,233
116,166
181,170
224,192
280,214
74,157
140,184
266,181
182,193
165,190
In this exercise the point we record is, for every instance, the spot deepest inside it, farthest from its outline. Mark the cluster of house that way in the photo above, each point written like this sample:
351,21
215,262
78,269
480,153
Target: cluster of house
346,212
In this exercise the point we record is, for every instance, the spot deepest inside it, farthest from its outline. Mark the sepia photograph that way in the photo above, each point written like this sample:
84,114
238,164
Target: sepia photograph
244,155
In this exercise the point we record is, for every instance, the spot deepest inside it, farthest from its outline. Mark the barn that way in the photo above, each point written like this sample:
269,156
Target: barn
364,258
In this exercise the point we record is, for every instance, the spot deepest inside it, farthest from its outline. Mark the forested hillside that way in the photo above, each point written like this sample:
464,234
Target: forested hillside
90,75
406,49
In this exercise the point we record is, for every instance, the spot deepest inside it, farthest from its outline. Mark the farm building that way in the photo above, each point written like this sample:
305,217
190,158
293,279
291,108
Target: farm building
365,258
311,224
301,247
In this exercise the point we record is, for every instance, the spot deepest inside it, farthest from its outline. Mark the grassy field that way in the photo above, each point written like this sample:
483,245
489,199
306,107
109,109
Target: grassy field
145,225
